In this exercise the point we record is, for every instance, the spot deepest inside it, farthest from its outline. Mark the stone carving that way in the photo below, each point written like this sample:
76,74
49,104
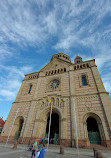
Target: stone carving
57,102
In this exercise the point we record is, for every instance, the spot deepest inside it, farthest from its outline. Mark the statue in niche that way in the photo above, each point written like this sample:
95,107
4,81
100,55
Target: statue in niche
62,103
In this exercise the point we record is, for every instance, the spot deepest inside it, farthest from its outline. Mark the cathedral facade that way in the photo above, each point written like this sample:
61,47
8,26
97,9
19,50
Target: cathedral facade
81,107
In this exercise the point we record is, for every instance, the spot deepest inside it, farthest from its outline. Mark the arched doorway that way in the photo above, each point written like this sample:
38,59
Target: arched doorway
54,129
17,128
93,131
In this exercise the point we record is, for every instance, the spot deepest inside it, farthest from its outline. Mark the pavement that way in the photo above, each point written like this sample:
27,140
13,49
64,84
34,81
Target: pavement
6,151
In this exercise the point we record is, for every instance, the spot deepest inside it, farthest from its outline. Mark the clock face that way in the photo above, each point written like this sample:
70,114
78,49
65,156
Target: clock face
54,84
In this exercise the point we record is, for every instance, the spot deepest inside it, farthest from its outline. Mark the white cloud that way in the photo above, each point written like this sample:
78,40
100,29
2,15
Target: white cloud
13,84
71,23
19,23
106,78
9,95
5,52
12,80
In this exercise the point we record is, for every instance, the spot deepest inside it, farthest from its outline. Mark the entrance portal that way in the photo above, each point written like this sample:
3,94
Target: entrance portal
93,131
54,129
17,128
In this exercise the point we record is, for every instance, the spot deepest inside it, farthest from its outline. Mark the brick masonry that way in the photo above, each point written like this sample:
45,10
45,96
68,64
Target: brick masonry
70,97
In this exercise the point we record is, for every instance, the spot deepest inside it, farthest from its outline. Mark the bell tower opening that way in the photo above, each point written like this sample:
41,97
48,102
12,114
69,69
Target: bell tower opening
54,129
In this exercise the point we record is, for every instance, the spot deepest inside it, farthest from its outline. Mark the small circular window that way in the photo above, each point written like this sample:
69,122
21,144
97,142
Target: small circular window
54,84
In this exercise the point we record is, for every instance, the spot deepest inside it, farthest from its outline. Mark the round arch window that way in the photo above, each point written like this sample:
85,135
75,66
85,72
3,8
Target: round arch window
54,84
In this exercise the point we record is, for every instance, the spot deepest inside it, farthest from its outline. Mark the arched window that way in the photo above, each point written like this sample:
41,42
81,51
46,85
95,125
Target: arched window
30,89
84,80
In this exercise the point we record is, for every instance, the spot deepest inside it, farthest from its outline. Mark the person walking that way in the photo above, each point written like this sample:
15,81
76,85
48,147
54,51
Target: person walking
34,148
42,152
37,152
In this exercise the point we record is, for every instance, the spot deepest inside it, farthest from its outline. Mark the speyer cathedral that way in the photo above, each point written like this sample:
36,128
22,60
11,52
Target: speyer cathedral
76,92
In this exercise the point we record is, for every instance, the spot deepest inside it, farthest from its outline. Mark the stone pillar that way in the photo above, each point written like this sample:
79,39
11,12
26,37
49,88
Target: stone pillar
101,131
74,121
86,142
39,128
85,131
37,90
72,92
105,101
72,118
29,121
63,128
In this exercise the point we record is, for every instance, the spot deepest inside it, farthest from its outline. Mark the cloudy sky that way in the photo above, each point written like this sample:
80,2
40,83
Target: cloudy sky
31,31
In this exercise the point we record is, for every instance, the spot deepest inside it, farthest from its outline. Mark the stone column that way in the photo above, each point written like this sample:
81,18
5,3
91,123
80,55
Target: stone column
85,131
63,131
37,89
72,118
72,92
29,122
101,131
39,128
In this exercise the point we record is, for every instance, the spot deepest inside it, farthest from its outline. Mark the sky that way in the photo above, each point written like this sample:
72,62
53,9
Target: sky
31,31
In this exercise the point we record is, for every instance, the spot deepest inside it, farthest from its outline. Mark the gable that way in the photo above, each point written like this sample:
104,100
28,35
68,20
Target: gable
55,64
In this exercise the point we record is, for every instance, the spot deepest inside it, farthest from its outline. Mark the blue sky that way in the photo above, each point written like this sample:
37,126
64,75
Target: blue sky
31,31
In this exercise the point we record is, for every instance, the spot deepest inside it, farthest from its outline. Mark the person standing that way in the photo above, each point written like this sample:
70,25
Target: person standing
34,148
42,152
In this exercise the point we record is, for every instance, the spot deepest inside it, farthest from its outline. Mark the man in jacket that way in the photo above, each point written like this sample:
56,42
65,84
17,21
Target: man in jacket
42,152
